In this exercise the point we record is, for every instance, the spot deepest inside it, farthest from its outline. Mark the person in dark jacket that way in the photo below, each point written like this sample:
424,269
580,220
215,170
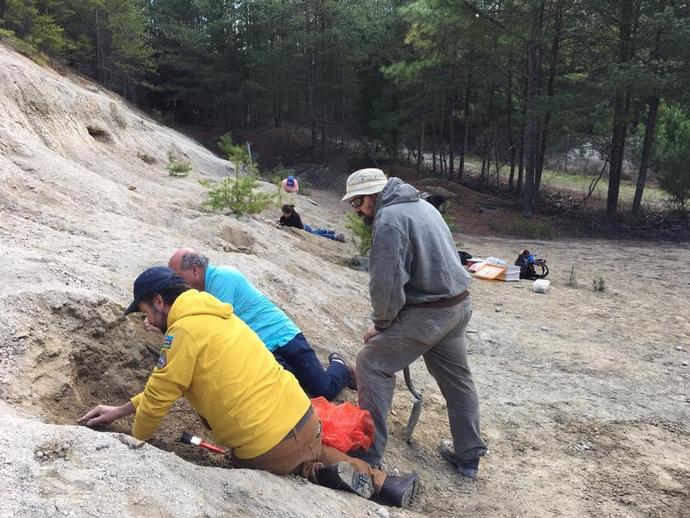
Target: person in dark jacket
290,218
436,200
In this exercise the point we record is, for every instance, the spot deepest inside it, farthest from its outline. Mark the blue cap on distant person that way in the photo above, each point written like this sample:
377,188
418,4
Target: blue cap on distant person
290,180
153,280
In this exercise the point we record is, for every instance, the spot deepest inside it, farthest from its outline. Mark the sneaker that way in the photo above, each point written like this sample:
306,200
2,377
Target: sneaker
344,476
336,357
466,468
400,491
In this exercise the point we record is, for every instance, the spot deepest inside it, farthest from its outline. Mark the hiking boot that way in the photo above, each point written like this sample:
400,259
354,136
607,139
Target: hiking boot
344,476
352,384
466,468
400,491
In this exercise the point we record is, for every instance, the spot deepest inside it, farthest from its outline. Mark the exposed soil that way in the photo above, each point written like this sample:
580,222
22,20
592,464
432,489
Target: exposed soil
87,353
585,395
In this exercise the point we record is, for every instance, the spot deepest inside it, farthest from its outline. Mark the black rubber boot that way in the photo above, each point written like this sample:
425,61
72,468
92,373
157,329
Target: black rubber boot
400,491
344,476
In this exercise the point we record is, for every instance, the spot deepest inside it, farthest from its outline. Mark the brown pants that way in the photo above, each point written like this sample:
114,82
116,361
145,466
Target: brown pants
302,453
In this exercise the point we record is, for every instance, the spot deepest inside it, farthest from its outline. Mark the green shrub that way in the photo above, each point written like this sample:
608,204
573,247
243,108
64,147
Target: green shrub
530,229
236,153
236,194
22,46
176,168
48,36
361,233
599,284
673,154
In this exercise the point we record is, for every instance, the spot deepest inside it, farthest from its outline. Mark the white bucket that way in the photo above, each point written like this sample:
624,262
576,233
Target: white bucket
540,286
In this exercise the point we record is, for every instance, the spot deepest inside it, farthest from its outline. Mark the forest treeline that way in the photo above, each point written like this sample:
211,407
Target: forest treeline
510,81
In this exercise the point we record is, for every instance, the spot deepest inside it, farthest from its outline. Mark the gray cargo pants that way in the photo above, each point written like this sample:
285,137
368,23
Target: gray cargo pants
438,334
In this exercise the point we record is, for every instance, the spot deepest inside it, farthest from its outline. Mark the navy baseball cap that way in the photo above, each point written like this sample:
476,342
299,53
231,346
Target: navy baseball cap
153,280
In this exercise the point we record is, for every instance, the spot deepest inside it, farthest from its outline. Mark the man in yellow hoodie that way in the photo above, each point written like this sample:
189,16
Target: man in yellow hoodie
251,404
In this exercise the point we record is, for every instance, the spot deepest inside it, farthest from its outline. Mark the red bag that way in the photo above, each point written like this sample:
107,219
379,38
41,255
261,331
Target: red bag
345,427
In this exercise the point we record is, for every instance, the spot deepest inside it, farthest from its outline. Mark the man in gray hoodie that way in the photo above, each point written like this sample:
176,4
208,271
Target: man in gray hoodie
421,307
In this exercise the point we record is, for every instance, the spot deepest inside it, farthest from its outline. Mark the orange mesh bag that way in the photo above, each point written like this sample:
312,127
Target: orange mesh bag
345,427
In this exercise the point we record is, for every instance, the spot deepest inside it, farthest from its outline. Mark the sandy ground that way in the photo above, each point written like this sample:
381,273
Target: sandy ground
585,396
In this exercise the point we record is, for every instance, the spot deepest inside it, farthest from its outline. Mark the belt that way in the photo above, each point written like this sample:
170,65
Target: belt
443,303
301,423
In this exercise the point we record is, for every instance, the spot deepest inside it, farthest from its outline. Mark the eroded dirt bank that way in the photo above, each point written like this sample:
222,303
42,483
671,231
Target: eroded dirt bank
585,398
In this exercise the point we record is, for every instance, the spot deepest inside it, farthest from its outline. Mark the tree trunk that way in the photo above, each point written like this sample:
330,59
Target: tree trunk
521,160
498,169
620,111
483,179
530,131
482,174
647,146
442,144
465,129
567,152
433,149
322,79
99,47
439,140
451,137
555,46
509,109
529,193
523,132
420,153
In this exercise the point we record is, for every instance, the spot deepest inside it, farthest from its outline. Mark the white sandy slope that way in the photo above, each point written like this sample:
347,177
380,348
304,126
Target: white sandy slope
84,216
585,396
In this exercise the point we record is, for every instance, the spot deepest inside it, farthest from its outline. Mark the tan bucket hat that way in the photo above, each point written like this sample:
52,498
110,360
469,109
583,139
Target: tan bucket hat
363,182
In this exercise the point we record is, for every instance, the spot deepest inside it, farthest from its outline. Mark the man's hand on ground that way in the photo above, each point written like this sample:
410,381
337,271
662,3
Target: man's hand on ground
151,328
104,414
370,333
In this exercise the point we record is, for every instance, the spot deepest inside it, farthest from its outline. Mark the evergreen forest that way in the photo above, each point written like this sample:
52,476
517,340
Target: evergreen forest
507,82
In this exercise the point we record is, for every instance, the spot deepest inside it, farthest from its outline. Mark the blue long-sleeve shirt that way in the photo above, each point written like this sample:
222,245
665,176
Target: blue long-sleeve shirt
266,319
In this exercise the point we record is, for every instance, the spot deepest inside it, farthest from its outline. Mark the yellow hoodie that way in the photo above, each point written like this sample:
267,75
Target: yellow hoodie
221,366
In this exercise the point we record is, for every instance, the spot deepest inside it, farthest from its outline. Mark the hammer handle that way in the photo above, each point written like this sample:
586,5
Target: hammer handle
408,382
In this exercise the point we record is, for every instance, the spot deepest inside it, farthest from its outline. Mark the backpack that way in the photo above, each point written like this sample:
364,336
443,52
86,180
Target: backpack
530,267
464,256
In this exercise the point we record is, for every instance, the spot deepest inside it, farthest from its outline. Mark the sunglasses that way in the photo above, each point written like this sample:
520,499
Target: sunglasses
357,202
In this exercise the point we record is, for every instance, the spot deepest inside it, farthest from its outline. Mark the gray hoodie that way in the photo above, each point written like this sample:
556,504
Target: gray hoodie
413,257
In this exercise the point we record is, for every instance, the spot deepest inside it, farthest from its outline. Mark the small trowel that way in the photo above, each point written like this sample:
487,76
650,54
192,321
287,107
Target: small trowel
416,406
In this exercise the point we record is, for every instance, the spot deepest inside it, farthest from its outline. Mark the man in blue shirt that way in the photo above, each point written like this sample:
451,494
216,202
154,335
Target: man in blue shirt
275,329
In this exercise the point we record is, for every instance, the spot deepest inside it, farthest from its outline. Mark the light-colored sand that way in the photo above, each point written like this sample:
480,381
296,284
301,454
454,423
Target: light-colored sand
585,398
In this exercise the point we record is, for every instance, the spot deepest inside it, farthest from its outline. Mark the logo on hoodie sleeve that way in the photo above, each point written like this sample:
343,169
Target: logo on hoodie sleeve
167,345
